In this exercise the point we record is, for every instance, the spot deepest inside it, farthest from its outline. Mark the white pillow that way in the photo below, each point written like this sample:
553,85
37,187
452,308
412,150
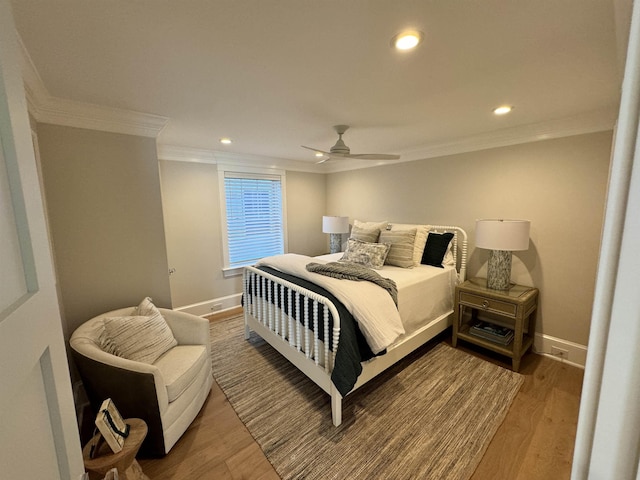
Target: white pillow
448,256
370,225
138,337
420,241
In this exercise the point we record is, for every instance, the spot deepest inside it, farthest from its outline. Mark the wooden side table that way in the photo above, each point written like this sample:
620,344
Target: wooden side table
517,306
125,460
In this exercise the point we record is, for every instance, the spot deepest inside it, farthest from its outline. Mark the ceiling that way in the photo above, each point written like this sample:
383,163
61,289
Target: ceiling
276,74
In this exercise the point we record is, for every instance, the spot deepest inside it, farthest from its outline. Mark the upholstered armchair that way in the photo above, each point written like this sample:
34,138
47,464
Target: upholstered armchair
167,394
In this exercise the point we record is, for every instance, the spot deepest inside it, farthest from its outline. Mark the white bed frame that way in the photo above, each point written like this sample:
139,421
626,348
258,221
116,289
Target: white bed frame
311,354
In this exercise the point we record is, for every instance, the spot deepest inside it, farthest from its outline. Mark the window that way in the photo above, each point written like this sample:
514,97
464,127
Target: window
253,217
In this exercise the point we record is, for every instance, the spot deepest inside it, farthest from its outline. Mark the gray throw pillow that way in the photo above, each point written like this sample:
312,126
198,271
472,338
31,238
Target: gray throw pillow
371,255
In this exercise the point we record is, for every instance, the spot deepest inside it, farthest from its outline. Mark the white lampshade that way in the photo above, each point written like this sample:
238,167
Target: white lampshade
507,235
335,224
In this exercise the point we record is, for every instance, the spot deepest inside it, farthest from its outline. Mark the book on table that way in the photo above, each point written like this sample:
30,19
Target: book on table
494,333
111,425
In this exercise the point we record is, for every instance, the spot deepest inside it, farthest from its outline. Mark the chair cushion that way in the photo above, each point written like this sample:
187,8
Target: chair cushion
180,366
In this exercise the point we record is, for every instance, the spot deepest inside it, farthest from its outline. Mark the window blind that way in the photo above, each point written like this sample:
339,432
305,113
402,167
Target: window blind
254,217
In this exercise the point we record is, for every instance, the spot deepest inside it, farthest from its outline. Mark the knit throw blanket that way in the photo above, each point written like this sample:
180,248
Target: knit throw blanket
358,273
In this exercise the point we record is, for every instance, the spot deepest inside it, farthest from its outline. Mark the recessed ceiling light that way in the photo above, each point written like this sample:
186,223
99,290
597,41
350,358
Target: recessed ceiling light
502,110
407,40
225,141
319,154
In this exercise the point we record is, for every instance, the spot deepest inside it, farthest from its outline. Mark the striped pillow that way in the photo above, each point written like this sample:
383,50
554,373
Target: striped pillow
369,235
421,238
401,251
138,337
146,309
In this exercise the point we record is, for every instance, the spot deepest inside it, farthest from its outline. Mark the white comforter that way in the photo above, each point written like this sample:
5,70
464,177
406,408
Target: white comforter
370,305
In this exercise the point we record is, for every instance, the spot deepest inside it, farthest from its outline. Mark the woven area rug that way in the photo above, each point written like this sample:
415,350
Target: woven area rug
431,416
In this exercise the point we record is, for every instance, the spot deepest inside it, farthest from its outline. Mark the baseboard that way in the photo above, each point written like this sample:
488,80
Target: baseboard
569,352
576,354
212,306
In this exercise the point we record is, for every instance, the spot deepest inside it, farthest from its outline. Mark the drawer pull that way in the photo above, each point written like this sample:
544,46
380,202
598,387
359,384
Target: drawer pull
485,304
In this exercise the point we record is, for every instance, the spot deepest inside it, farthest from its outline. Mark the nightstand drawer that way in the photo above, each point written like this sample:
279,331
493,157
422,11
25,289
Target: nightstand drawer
488,304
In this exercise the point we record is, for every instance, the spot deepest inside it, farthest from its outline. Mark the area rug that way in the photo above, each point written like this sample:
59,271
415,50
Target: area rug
431,416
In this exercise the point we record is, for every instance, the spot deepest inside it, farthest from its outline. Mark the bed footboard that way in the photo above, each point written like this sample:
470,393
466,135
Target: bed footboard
290,318
270,307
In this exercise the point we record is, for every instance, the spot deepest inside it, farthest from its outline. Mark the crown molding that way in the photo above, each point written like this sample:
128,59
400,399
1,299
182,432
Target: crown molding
96,117
178,153
48,109
589,122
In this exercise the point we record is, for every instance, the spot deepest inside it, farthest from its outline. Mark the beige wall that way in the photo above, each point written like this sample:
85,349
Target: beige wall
107,223
559,185
105,215
192,222
306,204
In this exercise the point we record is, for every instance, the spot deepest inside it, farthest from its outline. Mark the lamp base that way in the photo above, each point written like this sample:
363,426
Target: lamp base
335,242
499,270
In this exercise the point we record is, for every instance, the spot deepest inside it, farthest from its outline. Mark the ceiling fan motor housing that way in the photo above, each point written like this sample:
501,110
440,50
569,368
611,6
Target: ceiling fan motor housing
340,147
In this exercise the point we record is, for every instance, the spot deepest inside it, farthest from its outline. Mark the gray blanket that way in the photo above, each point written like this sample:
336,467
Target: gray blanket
358,273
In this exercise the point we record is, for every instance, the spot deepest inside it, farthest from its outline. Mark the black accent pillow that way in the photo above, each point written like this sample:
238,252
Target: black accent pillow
435,248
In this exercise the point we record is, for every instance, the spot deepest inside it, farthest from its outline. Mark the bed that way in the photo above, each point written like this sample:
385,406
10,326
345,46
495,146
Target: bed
317,322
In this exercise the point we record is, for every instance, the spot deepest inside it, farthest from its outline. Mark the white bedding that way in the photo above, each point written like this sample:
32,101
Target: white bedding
424,292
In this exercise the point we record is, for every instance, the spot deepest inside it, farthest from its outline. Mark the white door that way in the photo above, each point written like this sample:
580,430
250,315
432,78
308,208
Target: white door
38,432
608,437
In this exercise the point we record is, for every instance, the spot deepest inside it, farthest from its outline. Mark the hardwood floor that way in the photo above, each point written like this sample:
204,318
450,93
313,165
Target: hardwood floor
535,442
217,446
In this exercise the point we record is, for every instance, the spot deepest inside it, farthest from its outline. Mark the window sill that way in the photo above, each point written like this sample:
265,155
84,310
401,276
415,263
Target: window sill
232,271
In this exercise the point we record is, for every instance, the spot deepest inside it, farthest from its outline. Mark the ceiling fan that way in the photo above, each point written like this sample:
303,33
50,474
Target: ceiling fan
340,150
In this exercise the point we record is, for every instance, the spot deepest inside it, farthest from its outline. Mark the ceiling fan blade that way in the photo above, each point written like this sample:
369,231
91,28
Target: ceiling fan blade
372,156
323,160
316,150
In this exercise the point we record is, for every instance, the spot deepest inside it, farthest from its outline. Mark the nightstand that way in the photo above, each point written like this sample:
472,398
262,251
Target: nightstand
514,308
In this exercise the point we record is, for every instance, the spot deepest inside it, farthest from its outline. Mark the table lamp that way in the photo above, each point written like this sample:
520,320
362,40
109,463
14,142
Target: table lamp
501,237
335,226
